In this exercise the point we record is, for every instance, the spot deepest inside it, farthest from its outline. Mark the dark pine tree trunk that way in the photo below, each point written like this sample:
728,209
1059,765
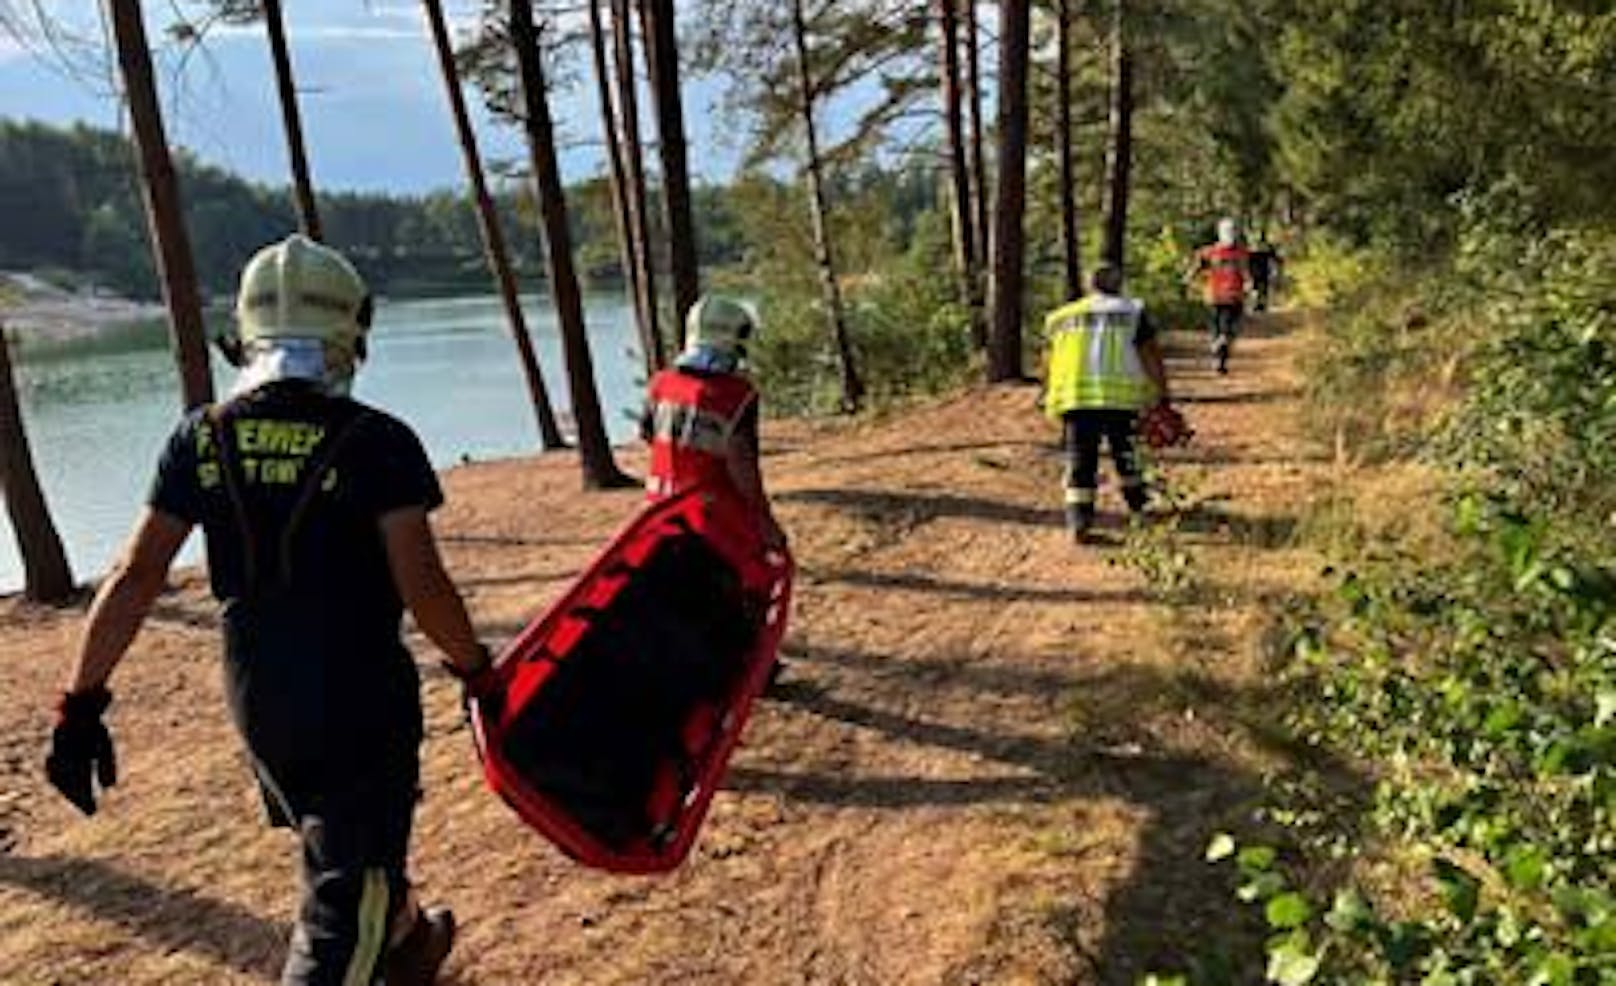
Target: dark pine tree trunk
165,215
963,210
46,576
824,255
1119,163
628,105
594,449
308,212
619,186
979,169
494,247
662,57
1071,242
1009,246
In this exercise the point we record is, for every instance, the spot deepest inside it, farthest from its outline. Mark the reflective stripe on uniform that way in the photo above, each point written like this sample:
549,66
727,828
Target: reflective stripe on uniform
373,913
1077,496
1094,359
691,427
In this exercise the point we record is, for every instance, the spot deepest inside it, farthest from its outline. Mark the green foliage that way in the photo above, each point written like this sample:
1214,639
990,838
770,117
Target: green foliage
1539,419
909,332
1473,686
1367,127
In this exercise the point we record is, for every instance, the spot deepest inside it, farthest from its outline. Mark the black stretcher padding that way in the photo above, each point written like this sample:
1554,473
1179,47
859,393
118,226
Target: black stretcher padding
608,722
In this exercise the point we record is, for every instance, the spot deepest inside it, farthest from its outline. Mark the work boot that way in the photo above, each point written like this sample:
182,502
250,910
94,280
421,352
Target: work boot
415,961
1078,521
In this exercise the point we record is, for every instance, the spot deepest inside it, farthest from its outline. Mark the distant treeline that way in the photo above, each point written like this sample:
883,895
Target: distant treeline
69,204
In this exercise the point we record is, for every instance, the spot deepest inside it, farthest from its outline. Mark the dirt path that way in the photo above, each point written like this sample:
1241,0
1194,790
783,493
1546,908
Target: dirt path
998,760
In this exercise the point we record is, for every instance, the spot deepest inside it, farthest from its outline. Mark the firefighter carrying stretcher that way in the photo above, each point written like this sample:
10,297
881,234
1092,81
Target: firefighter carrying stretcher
315,510
701,416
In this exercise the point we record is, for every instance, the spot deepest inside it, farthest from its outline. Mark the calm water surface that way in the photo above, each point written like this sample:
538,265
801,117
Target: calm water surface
98,410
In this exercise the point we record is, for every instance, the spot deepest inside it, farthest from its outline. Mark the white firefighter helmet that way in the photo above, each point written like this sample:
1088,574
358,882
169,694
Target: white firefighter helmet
716,332
299,289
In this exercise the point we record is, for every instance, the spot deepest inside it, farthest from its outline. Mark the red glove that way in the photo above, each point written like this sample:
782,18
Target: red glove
1162,426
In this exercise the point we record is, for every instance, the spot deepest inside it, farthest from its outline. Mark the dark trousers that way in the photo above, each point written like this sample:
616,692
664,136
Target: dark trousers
355,844
1262,287
1084,432
1226,319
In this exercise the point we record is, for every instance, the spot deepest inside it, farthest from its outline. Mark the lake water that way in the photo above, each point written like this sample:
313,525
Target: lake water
98,410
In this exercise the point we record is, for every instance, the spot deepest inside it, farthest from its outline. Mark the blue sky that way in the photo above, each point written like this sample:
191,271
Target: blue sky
372,103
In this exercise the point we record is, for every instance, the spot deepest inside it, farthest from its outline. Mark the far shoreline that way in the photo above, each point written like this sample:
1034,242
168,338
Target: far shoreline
35,312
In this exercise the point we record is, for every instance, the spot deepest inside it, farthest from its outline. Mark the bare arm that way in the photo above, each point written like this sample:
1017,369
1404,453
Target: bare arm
418,573
126,597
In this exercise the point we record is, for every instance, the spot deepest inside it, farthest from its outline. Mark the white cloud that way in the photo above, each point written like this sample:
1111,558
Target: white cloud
316,33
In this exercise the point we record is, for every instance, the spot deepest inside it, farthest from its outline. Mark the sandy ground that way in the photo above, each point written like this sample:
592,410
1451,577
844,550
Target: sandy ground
997,760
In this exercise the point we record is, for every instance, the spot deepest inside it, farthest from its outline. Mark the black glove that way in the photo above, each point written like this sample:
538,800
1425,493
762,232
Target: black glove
81,748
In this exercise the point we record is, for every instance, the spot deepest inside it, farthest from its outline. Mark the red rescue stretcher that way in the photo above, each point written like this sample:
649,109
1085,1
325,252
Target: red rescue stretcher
619,708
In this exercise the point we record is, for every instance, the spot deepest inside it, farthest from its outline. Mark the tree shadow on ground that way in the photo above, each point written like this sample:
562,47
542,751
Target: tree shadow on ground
1264,531
1237,397
539,577
925,506
168,919
1200,455
1175,911
992,591
944,448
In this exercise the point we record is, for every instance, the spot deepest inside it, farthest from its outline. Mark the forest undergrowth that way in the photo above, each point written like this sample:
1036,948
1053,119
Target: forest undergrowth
1464,656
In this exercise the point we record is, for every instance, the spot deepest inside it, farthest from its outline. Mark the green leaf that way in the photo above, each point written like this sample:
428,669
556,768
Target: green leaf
1605,708
1502,719
1291,965
1288,911
1556,969
1221,847
1261,887
1256,858
1508,932
1349,911
1460,891
1524,866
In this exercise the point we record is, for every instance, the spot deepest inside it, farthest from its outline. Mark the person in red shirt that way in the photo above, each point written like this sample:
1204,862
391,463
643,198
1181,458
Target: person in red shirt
1224,268
701,417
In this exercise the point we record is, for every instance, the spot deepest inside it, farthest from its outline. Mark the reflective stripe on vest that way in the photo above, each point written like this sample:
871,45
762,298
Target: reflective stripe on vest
1094,362
691,428
693,421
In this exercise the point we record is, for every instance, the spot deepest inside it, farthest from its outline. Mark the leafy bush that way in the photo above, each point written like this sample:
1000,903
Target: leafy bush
909,333
1474,687
1482,698
1540,416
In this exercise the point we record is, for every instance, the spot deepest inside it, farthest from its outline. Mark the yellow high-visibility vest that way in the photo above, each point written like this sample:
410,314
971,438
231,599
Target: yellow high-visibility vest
1093,361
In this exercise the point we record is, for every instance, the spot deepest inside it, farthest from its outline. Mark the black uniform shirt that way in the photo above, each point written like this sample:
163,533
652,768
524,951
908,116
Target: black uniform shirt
279,432
315,664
